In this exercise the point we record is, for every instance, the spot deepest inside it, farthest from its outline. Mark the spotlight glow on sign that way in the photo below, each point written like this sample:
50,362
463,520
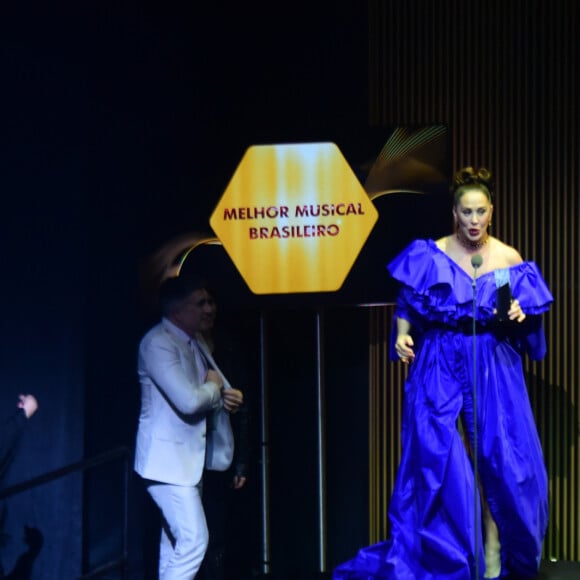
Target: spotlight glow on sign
293,218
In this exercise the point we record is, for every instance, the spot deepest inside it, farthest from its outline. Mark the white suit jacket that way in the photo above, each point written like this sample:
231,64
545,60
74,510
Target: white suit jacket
171,437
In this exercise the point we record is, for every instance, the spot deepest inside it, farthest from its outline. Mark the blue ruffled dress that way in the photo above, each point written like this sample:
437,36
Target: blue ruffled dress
432,511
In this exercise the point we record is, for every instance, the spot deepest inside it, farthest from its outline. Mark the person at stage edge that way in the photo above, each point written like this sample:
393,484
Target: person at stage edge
10,436
433,514
184,421
12,430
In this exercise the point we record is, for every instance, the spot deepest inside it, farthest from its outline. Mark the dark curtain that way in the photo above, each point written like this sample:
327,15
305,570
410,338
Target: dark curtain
42,236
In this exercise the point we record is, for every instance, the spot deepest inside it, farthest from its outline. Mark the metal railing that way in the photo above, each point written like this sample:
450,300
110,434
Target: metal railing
122,453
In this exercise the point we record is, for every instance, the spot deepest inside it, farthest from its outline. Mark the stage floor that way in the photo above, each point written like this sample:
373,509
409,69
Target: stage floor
559,571
548,571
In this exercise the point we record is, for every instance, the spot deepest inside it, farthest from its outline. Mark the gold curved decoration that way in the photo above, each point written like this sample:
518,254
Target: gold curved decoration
211,241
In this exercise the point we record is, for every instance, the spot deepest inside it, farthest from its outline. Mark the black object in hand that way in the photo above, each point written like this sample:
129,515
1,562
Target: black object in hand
503,302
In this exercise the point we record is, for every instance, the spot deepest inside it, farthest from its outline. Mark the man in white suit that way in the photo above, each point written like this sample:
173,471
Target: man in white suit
184,421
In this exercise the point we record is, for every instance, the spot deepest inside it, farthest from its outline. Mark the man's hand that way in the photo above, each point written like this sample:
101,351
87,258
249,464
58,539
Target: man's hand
28,403
214,377
232,398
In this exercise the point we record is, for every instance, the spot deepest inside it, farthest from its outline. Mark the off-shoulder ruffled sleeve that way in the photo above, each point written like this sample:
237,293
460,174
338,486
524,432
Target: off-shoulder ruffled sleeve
532,292
433,287
435,290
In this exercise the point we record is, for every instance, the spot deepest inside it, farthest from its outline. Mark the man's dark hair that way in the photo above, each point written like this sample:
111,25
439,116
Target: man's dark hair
175,290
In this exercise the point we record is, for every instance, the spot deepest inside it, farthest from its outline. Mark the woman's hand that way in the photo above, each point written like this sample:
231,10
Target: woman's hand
515,312
404,348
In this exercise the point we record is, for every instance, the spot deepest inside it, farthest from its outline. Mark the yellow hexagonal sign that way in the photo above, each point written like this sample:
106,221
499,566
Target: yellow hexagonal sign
293,218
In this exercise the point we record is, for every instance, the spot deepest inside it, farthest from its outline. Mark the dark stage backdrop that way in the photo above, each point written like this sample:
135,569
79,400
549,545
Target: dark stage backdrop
42,353
43,265
121,124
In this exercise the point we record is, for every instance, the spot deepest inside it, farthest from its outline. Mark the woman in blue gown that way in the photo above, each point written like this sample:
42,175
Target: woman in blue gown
441,527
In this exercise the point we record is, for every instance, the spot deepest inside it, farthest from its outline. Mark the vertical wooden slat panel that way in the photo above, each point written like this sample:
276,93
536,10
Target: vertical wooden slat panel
503,75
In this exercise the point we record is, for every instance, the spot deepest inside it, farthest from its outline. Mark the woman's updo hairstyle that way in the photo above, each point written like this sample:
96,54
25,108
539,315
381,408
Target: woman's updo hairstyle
469,177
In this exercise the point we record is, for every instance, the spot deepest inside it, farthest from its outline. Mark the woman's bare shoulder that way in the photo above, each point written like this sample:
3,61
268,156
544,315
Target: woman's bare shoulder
509,254
443,243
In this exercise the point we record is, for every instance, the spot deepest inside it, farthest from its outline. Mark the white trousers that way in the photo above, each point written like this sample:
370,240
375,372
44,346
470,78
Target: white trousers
184,534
